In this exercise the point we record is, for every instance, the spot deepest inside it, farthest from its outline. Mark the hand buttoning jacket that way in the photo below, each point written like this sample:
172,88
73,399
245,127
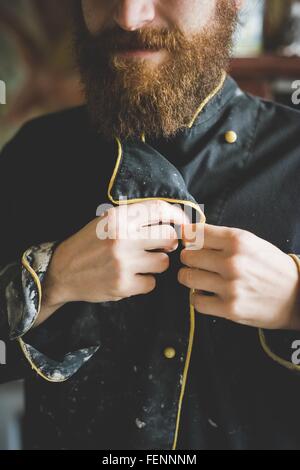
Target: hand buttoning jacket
98,376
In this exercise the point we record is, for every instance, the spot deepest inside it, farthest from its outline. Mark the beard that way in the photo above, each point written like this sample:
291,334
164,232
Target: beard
129,97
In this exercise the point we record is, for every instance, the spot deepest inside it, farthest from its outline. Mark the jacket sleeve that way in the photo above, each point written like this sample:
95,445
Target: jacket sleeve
282,346
22,272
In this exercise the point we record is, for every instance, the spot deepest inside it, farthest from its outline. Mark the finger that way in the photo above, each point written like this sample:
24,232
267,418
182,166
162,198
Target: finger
208,305
151,263
215,237
208,260
156,237
202,280
144,284
193,236
155,212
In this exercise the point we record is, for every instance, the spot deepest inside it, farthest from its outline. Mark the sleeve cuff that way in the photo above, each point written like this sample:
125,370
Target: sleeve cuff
278,345
23,300
53,371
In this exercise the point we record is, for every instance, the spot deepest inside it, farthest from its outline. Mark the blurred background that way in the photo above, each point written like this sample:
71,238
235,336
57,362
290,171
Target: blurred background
36,66
36,61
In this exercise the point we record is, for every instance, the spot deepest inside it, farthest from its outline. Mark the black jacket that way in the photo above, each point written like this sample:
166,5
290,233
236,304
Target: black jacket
97,376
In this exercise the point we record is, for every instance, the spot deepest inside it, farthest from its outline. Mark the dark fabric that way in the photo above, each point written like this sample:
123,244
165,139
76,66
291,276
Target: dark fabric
54,175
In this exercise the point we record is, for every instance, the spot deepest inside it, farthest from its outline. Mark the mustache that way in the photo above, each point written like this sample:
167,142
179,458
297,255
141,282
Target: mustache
118,40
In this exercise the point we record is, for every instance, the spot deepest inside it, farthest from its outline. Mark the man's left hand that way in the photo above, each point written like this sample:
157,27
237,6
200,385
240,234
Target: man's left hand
254,283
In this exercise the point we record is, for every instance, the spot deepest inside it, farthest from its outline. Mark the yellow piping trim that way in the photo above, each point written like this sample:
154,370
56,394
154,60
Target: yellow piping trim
33,366
131,201
186,369
272,355
35,277
115,172
202,105
297,261
265,346
192,310
20,341
207,99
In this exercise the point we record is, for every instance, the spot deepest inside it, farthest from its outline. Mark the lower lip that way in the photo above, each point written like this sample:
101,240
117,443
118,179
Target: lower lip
138,53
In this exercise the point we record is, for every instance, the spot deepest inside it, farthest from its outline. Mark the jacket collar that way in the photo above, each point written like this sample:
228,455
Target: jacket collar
227,89
162,169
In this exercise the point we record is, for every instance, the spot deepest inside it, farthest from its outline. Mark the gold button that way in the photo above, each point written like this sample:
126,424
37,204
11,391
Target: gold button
169,353
231,137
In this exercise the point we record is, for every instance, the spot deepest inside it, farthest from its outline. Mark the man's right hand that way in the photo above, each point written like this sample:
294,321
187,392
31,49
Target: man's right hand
89,269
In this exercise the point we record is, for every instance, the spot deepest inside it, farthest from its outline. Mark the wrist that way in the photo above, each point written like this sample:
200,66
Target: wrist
54,292
50,302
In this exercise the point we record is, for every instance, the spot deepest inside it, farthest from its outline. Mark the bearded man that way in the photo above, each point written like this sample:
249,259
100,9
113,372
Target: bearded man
140,342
